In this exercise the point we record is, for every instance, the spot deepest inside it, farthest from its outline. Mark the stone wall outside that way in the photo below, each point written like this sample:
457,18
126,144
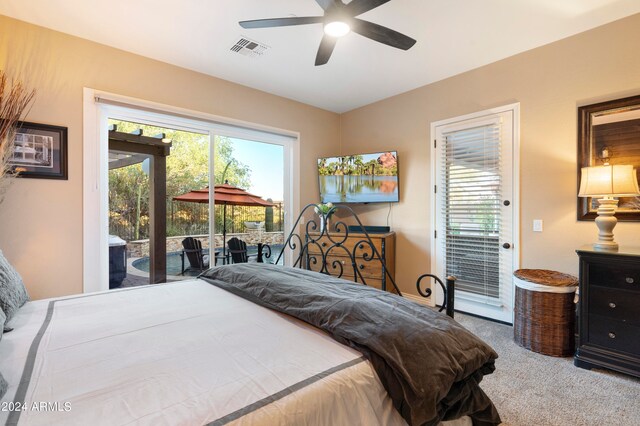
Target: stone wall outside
140,248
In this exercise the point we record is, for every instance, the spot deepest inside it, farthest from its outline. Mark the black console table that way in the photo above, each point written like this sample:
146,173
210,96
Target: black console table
609,310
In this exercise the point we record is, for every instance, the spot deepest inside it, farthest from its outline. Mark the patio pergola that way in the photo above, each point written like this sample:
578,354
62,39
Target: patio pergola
133,148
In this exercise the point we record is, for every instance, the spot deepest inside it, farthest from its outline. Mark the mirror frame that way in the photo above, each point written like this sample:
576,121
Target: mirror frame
585,114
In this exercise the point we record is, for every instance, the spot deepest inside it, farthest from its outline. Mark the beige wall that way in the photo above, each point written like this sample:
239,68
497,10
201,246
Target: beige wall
40,220
550,83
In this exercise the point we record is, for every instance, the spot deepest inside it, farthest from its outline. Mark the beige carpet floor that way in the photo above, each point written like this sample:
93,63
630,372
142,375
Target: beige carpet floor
533,389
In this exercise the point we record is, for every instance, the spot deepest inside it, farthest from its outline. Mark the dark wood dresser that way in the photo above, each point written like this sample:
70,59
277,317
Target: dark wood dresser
609,310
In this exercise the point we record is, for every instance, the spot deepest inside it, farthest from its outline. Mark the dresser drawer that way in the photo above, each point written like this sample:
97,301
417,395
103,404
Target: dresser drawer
363,247
376,283
614,335
368,269
347,274
623,277
615,304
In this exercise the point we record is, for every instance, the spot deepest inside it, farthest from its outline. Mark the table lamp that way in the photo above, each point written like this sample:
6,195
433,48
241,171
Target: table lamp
608,181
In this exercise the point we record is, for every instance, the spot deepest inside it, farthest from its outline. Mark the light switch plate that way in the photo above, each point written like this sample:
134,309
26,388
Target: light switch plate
537,225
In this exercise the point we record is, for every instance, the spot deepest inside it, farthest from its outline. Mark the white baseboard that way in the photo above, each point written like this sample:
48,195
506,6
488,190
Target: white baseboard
419,299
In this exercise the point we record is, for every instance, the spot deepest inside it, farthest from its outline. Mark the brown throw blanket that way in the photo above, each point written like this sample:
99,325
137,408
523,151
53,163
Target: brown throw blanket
429,364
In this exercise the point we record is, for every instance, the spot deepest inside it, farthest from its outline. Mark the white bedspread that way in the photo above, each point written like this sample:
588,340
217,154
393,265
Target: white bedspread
185,353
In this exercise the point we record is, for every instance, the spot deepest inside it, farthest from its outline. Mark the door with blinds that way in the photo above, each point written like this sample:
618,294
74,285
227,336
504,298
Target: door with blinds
475,210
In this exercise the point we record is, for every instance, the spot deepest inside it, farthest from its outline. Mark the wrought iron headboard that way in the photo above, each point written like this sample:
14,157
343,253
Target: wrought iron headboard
324,238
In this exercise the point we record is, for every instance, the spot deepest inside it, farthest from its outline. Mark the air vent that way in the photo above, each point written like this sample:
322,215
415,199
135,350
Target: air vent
249,47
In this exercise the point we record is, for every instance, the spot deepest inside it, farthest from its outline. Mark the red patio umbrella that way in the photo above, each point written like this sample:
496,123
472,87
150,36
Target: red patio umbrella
224,194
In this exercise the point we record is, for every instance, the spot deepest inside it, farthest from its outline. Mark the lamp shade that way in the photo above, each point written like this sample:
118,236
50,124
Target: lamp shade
609,181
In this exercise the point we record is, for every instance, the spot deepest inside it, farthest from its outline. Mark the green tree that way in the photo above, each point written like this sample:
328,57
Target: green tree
322,167
228,168
371,165
343,164
350,159
359,163
128,201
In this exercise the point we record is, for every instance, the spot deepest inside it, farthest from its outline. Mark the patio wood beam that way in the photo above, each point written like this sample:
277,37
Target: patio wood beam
158,220
129,146
127,161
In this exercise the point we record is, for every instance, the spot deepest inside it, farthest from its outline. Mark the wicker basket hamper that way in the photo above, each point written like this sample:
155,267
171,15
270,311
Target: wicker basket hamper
544,317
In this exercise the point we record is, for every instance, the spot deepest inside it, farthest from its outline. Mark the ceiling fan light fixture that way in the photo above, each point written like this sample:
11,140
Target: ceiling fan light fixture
337,29
338,20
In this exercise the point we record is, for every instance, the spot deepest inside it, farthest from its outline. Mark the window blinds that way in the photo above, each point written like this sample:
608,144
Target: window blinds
471,208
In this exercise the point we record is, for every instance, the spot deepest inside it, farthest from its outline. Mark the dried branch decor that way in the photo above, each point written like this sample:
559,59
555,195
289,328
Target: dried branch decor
15,100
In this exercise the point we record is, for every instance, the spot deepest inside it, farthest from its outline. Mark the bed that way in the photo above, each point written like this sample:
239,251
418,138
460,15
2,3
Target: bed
243,344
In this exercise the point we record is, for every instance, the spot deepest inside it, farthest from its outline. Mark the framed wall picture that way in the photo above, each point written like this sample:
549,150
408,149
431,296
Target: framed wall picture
609,133
40,151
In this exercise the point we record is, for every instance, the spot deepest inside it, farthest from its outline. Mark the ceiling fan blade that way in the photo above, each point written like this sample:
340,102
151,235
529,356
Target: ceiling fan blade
326,4
357,7
325,50
281,22
382,34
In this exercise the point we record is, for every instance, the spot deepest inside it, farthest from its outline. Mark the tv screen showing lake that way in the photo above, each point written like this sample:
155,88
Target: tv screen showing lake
358,189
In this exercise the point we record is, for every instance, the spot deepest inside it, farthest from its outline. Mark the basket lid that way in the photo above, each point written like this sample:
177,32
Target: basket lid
546,277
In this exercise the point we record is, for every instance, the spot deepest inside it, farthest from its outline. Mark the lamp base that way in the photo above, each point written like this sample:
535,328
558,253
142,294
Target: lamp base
606,246
606,221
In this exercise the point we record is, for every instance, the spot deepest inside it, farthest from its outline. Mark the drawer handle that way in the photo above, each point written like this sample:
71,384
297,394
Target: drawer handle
629,280
612,305
612,335
324,244
361,266
361,246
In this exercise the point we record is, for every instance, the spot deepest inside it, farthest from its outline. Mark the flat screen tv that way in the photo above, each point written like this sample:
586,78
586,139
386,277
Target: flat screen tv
362,178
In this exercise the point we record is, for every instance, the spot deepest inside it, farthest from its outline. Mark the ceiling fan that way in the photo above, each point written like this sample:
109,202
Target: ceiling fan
338,20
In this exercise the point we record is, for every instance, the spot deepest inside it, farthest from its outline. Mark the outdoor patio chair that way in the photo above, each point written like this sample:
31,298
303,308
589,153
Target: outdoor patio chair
194,252
238,250
239,254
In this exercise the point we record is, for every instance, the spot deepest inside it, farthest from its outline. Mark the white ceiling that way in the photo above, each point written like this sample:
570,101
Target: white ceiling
453,36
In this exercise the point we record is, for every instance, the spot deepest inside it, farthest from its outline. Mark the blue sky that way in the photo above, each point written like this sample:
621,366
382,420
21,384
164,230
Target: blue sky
365,157
266,162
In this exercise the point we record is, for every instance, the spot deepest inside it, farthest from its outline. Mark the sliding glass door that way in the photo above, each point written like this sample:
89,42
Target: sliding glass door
204,150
